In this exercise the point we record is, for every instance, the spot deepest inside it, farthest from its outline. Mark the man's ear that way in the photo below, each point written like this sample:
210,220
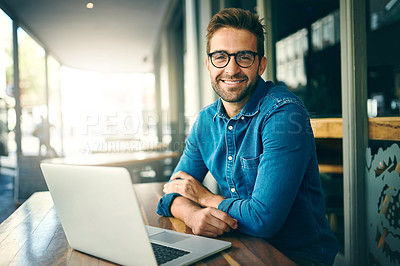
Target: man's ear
207,64
263,65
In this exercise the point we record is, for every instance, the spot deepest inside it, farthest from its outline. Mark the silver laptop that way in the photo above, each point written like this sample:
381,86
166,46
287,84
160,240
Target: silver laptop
100,214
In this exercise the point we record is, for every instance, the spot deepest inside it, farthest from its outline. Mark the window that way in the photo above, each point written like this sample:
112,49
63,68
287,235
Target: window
107,112
34,127
7,101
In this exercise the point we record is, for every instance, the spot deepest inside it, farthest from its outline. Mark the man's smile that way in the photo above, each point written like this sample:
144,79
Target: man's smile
236,81
233,80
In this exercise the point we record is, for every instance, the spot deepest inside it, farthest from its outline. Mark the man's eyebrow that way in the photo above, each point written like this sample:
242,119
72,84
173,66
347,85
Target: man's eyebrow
219,51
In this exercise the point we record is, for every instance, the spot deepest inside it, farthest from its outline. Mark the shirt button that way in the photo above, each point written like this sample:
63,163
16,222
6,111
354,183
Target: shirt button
242,118
232,190
230,158
230,127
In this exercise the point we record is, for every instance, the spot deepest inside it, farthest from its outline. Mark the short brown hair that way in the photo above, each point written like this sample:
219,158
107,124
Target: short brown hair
239,19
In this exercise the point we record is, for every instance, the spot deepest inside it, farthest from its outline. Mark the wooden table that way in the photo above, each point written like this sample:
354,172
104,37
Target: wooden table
33,235
115,159
144,166
159,164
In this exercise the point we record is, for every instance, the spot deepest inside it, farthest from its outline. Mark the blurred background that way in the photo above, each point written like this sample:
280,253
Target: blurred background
126,76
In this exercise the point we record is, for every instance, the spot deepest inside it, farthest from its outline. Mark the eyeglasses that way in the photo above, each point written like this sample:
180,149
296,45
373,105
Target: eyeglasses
244,59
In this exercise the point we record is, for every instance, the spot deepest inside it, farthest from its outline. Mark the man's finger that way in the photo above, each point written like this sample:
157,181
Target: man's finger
175,176
210,232
181,175
218,226
226,218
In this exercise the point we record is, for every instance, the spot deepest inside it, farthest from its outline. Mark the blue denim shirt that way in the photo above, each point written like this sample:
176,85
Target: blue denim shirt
264,161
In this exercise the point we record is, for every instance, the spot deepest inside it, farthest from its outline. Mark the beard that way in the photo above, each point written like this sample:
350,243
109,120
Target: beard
237,93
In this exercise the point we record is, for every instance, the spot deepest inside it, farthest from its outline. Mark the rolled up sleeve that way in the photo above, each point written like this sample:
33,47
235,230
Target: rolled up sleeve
164,205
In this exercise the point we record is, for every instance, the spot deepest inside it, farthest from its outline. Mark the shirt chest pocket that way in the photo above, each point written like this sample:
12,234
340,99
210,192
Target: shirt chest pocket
249,168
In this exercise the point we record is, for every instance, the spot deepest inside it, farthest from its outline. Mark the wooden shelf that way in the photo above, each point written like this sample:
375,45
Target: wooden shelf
330,168
380,128
384,128
325,128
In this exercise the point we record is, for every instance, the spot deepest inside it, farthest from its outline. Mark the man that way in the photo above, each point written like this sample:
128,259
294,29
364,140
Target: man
257,142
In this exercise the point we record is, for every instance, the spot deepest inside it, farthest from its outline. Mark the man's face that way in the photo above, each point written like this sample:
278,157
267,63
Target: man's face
234,83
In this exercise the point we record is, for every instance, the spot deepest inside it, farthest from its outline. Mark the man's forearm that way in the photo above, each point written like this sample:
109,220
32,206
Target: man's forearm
182,207
211,200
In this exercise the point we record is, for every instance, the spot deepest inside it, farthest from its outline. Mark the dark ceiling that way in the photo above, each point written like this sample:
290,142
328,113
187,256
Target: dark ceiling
113,36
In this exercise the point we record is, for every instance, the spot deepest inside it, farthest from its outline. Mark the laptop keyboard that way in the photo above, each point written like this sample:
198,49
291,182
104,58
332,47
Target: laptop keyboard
164,254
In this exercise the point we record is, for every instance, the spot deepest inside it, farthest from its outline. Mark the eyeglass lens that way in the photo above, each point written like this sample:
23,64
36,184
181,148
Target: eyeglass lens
243,59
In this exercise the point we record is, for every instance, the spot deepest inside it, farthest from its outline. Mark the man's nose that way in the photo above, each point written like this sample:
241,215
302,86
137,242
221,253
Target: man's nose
232,68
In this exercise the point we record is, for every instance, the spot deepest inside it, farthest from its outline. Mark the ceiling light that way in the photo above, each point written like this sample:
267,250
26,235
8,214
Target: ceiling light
89,5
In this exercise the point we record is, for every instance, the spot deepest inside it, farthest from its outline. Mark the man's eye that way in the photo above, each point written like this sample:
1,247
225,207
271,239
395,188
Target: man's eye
219,57
244,57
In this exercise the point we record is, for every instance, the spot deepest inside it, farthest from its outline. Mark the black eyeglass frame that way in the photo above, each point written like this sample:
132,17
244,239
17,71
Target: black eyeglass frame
235,55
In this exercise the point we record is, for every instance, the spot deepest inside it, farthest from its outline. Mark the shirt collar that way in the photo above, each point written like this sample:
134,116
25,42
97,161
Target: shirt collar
221,113
252,106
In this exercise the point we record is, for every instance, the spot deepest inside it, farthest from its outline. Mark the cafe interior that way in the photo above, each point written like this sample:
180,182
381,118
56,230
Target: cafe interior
120,83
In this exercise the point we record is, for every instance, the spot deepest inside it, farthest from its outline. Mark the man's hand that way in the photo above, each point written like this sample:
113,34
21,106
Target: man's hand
187,186
210,222
203,221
